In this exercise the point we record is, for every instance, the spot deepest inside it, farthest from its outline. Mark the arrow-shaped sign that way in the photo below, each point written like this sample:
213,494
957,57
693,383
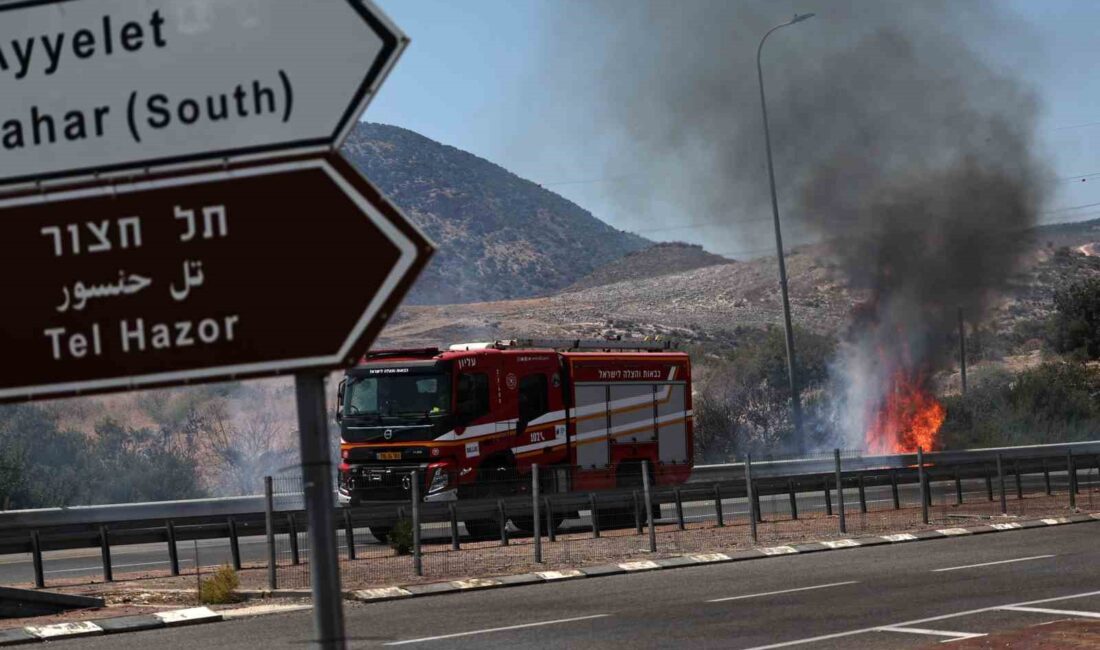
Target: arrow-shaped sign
235,273
96,86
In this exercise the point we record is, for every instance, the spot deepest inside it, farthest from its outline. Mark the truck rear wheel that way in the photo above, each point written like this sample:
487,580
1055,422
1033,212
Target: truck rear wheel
381,533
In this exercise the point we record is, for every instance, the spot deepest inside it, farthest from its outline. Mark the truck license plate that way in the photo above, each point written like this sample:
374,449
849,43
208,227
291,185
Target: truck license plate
389,455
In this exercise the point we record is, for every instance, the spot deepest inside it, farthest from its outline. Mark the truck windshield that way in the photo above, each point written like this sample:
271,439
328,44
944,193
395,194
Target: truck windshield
399,395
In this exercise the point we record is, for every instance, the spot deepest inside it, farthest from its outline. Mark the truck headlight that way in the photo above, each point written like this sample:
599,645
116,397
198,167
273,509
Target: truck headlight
440,480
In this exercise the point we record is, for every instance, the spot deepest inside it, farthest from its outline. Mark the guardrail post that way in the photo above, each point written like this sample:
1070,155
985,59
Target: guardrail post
1019,483
638,521
452,510
593,507
535,518
234,543
794,499
828,497
840,492
649,507
718,505
105,553
36,555
1046,477
1071,470
418,568
349,533
551,532
292,533
502,517
269,530
679,509
862,493
958,487
750,501
894,489
1001,483
989,482
756,504
1076,483
173,552
923,486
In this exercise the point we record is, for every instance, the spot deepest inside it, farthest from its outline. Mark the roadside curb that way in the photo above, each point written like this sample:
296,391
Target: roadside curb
59,631
381,594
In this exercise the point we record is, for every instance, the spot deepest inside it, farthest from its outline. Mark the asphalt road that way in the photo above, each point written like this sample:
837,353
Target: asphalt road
78,563
85,563
899,596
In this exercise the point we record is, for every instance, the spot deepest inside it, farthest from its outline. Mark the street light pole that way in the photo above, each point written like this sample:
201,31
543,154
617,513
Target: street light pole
796,402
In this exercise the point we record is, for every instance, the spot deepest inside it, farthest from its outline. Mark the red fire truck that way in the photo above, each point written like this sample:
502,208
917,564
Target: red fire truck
472,417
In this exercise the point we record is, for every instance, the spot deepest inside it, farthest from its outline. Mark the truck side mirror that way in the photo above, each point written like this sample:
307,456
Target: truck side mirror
340,400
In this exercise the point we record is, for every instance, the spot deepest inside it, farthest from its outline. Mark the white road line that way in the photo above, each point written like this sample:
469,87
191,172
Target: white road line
496,629
99,567
955,636
1060,612
784,591
974,566
942,617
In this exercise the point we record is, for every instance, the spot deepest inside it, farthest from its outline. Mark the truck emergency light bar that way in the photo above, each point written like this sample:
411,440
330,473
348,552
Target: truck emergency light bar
570,344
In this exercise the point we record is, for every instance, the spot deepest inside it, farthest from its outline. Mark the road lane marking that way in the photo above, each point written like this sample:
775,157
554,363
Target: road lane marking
114,566
954,636
1060,612
784,591
942,617
496,629
975,566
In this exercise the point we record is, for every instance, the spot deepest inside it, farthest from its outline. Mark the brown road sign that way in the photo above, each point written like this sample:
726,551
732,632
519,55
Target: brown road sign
243,272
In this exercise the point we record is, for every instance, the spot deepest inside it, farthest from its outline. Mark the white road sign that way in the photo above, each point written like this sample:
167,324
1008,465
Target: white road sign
94,86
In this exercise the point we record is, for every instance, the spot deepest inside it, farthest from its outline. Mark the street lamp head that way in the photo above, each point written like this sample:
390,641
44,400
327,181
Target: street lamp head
797,18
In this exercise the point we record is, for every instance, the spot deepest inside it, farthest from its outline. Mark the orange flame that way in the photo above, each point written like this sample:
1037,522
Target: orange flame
908,417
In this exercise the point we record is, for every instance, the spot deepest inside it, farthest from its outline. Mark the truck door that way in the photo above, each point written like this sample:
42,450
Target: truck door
672,438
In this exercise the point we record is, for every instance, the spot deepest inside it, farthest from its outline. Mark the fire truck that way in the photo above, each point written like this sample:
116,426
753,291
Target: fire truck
473,419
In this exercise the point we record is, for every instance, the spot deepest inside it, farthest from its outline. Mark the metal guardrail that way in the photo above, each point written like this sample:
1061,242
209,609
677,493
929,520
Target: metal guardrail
35,531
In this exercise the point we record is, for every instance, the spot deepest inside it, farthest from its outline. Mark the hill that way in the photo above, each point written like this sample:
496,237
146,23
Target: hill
499,236
664,258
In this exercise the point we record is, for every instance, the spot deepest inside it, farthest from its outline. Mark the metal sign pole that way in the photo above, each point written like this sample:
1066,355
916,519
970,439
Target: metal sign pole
324,570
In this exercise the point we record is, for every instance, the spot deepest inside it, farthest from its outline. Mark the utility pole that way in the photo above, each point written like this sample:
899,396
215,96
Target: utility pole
792,377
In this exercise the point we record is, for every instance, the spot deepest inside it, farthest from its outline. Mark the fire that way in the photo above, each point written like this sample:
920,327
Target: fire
908,417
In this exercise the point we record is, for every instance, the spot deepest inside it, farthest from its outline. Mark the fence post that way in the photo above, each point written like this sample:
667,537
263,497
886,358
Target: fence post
173,551
989,483
1071,469
1046,477
756,504
958,487
679,509
1001,483
36,553
503,518
349,533
840,492
794,499
749,497
453,511
234,543
551,533
1019,483
269,529
923,485
862,493
415,490
828,497
105,553
718,505
292,533
593,507
649,507
535,518
894,489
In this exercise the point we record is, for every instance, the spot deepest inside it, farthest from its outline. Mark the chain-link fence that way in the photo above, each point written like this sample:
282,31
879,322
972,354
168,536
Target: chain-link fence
512,523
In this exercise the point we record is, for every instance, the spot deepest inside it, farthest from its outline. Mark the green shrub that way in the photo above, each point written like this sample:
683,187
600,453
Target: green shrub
401,537
1075,327
220,588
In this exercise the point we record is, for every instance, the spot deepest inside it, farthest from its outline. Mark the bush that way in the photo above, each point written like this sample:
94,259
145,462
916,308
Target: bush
220,588
1075,327
401,537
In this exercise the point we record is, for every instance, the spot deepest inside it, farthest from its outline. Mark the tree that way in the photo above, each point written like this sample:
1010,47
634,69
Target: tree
1076,322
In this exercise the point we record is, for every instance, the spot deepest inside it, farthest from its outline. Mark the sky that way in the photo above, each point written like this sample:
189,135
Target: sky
472,70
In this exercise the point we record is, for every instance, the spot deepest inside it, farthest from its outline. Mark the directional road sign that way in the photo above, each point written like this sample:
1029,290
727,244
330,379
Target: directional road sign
247,271
94,86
